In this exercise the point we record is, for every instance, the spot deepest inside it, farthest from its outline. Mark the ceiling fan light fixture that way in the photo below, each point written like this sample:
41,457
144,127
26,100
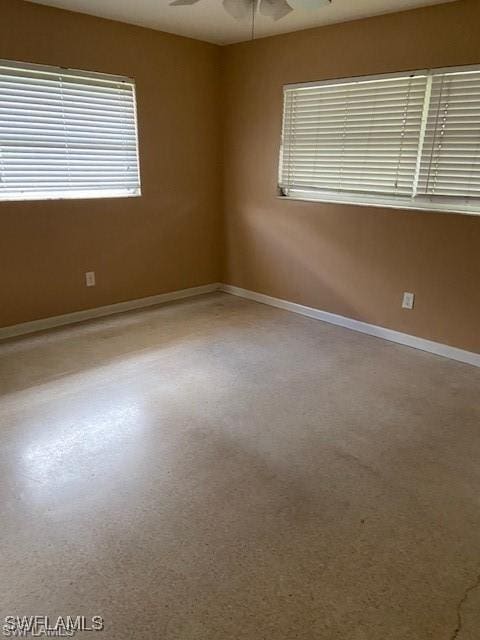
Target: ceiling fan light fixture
275,9
238,9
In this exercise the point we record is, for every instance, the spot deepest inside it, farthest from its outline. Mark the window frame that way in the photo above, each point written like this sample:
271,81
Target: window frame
414,202
77,74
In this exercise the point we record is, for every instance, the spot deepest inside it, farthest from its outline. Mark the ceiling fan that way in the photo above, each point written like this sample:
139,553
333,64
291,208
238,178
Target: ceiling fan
275,9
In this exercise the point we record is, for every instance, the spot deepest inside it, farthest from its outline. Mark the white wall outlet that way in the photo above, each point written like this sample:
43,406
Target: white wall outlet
90,278
408,300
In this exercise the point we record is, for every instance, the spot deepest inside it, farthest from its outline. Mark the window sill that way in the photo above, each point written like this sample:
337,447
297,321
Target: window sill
406,205
66,196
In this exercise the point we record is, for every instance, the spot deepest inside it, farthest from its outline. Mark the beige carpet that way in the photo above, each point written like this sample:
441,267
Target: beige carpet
216,469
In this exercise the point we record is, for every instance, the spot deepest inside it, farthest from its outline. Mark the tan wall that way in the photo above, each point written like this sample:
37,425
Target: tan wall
350,260
355,261
170,237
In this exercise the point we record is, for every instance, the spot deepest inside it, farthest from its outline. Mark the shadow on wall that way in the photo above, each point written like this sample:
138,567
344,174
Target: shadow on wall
292,256
334,258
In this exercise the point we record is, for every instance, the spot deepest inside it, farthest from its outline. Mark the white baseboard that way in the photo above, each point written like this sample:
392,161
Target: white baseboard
98,312
356,325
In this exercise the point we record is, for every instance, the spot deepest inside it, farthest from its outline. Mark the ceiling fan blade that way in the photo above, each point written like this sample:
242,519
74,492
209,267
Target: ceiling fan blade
238,9
275,9
179,3
308,5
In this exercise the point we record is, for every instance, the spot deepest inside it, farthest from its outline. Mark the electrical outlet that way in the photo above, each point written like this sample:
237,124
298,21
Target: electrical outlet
90,278
408,300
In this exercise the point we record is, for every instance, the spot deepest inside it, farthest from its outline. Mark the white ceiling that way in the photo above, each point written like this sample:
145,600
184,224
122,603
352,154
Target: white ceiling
208,21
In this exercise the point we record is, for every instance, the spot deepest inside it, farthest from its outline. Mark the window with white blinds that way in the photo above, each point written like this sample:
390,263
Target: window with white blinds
66,134
450,166
407,140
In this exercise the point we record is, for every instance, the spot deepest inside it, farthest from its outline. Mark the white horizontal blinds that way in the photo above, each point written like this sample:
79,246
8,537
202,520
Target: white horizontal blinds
353,137
450,165
66,134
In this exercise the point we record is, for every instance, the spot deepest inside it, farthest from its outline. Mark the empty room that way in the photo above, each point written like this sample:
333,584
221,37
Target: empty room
240,319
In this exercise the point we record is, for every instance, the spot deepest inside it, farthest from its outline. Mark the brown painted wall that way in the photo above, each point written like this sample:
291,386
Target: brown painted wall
351,260
355,261
170,237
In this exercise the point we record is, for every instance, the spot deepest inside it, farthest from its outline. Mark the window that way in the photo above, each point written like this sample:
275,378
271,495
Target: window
407,140
66,134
